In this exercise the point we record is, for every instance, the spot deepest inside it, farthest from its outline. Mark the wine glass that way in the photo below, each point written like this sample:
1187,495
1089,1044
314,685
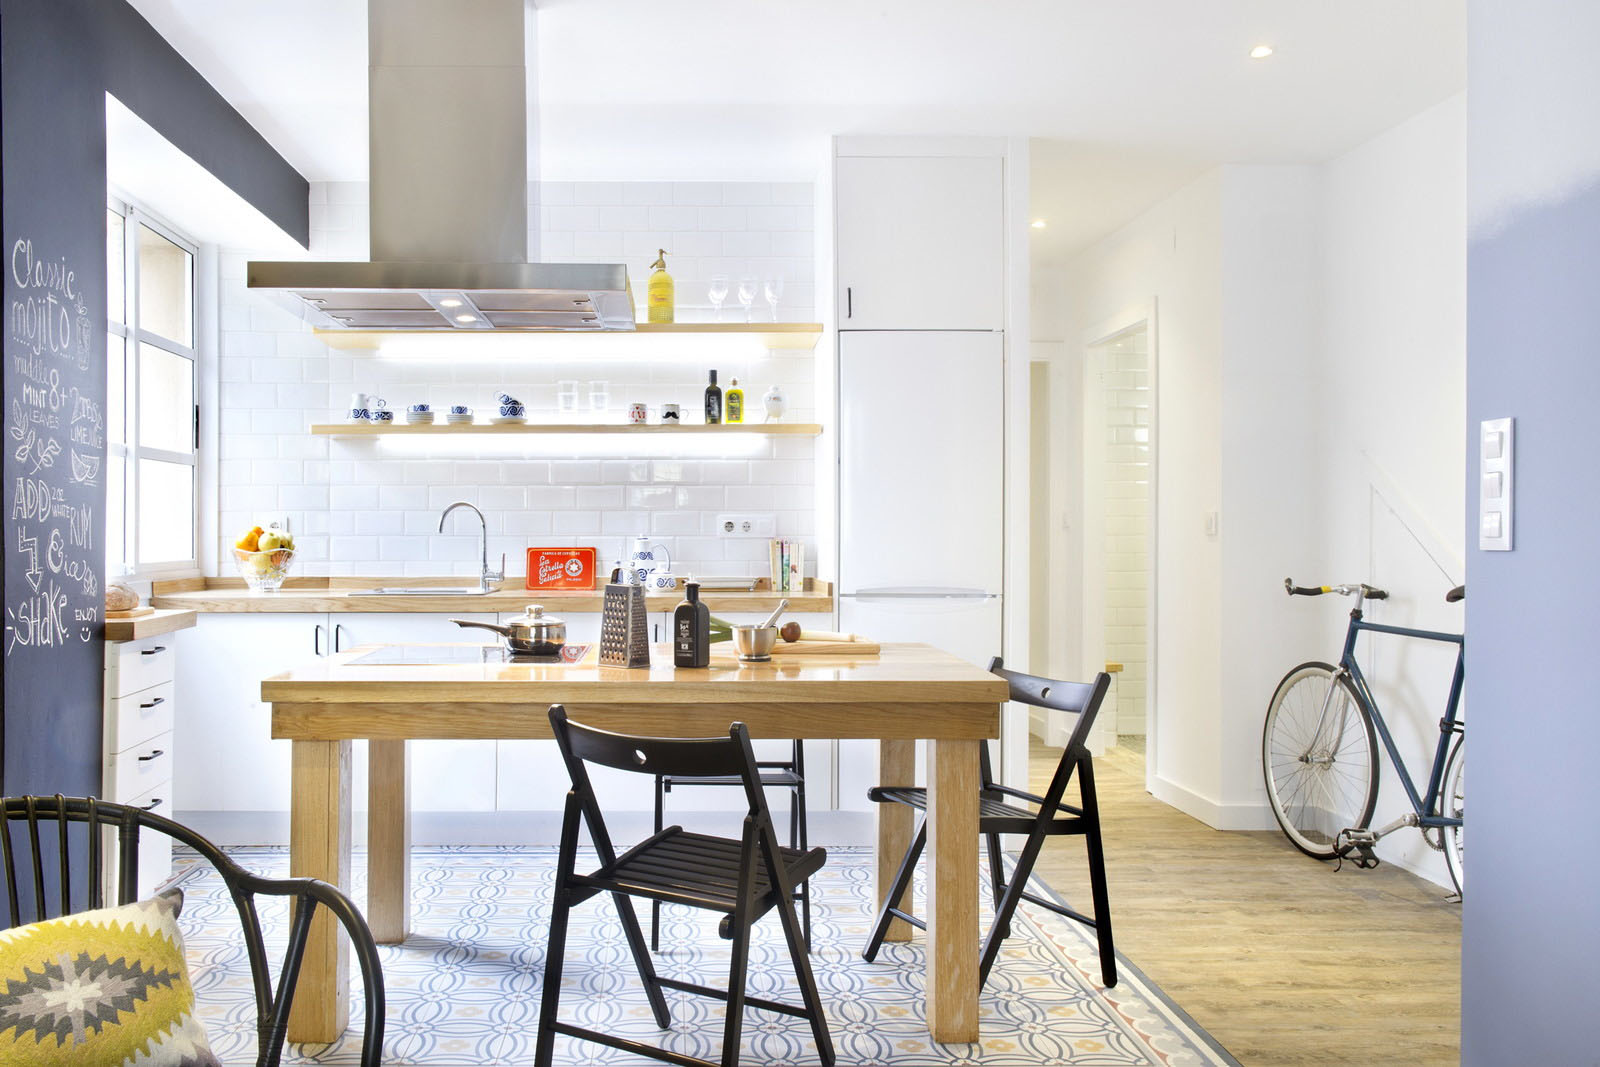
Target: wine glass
774,290
747,293
718,292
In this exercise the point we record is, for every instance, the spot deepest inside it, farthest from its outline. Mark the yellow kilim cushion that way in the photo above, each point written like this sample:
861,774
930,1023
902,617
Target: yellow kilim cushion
102,987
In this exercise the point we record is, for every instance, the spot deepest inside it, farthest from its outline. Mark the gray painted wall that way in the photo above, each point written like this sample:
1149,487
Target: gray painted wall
1531,925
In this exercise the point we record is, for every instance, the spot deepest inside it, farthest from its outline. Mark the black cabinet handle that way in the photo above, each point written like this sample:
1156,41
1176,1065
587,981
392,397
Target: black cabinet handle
849,303
338,628
152,806
316,640
152,651
154,754
153,703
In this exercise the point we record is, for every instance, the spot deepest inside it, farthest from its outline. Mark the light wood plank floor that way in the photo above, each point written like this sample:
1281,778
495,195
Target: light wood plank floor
1282,959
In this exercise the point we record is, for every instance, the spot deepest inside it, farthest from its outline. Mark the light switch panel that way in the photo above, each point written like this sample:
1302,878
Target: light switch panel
1495,452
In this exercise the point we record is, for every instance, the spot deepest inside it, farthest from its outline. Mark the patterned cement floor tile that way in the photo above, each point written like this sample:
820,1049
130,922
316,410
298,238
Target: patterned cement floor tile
464,988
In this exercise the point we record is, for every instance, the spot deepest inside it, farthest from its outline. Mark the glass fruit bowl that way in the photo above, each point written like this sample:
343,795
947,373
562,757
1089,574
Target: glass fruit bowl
264,572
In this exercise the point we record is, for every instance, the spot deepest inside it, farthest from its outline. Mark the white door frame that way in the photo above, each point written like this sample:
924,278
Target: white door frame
1092,629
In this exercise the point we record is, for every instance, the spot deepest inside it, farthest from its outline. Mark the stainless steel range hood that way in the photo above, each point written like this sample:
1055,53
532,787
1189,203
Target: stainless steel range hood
448,140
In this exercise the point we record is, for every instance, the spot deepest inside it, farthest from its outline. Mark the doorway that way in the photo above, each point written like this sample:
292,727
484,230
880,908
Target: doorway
1119,472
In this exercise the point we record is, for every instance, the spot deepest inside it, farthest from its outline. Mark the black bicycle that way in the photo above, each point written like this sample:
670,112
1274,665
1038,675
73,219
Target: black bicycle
1319,751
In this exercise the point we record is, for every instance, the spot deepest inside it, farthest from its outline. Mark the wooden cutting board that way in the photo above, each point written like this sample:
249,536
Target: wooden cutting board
132,613
825,648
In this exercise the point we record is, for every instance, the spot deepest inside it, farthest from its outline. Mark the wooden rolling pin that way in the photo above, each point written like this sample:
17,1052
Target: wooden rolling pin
791,632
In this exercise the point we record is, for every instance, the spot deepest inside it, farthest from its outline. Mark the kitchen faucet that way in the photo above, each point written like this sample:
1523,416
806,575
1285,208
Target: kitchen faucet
487,576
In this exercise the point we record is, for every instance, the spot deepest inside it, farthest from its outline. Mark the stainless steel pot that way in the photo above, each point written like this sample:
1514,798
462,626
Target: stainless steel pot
534,634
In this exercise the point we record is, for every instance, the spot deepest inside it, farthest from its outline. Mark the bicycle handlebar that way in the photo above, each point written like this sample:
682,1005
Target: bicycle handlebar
1361,589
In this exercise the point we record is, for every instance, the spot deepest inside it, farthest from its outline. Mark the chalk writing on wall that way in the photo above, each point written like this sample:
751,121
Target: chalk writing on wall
55,429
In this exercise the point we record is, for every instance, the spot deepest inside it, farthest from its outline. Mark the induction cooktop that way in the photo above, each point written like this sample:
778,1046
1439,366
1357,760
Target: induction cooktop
403,655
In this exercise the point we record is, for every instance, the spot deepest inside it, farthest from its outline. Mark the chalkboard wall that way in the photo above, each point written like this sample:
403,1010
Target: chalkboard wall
58,58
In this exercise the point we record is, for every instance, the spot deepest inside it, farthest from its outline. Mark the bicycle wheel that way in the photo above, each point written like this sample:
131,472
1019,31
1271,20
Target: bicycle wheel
1452,802
1319,756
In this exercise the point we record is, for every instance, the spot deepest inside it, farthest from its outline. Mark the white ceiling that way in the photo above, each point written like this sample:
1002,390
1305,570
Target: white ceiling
1139,94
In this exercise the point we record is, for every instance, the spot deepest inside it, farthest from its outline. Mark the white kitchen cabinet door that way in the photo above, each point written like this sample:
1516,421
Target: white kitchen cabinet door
920,242
226,757
445,775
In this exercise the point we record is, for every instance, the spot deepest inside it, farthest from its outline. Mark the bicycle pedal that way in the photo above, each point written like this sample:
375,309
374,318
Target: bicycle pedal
1364,857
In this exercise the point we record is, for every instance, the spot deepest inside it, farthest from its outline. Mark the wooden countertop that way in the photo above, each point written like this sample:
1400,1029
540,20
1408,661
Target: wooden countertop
335,595
161,621
898,693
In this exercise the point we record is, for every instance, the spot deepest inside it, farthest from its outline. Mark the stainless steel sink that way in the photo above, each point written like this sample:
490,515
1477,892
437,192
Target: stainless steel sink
433,590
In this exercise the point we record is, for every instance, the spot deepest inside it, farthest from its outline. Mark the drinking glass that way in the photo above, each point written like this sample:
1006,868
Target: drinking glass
718,292
599,395
566,396
747,293
774,290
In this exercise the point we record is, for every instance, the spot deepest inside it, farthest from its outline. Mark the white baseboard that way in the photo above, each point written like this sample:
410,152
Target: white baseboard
1215,815
517,827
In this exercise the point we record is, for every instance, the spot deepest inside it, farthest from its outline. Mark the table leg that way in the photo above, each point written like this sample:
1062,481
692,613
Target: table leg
952,982
897,765
319,847
389,841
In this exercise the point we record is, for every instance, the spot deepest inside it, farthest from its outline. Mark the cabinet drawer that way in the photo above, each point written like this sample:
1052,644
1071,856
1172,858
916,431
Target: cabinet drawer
141,769
138,717
135,665
155,848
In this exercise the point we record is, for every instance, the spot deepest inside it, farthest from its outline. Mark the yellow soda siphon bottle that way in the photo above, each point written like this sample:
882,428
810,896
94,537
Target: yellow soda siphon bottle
733,403
658,290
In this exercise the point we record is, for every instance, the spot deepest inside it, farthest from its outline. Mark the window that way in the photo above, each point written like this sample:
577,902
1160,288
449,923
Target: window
150,396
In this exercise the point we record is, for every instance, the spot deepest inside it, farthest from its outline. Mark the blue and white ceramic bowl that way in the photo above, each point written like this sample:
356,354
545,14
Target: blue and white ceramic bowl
419,409
511,411
383,415
460,409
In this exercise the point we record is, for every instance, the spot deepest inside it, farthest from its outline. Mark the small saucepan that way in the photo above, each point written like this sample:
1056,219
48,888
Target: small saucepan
534,634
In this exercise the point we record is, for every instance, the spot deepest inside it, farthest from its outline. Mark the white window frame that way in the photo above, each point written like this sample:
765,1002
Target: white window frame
133,336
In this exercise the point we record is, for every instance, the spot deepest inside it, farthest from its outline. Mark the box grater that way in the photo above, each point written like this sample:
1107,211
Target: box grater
624,630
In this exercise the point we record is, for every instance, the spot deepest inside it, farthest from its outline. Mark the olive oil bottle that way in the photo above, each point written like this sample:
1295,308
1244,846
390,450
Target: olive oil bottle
691,630
733,403
659,290
713,401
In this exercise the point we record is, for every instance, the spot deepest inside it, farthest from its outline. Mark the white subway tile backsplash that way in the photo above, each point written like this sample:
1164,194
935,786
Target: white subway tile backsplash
361,507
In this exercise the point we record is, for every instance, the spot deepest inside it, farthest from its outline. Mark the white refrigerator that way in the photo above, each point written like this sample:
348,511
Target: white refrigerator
921,488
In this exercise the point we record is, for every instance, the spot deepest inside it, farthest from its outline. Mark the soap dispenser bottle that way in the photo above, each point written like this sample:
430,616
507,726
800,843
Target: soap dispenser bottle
659,299
691,630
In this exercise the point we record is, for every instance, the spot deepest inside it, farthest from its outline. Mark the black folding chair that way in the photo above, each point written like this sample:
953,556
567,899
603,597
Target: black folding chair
35,817
787,774
743,879
999,814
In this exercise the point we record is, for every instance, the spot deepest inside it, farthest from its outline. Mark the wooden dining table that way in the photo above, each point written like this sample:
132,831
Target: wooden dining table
903,694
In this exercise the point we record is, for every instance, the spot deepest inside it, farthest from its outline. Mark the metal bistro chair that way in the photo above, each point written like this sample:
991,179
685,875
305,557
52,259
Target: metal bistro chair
998,813
39,814
743,879
787,774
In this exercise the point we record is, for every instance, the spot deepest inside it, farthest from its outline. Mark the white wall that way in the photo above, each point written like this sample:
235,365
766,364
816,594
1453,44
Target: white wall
1309,368
1393,218
371,507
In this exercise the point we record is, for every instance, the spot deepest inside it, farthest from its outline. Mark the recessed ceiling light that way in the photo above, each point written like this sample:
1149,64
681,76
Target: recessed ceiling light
1039,224
1261,51
449,302
466,318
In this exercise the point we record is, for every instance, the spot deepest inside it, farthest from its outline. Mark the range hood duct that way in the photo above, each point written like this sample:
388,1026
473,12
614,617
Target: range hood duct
448,159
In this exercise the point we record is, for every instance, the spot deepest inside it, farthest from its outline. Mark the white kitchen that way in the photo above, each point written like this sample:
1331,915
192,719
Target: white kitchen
414,408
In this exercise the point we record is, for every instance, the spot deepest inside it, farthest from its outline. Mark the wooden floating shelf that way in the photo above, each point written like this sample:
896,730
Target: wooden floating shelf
793,335
770,429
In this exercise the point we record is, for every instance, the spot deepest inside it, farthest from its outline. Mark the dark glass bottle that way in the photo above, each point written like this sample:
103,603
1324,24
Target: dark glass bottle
713,401
691,630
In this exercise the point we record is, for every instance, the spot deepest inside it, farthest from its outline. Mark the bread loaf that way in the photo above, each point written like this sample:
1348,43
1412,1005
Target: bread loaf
120,597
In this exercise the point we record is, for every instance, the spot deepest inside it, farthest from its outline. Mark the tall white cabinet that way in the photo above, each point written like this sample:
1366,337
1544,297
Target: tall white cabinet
920,242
